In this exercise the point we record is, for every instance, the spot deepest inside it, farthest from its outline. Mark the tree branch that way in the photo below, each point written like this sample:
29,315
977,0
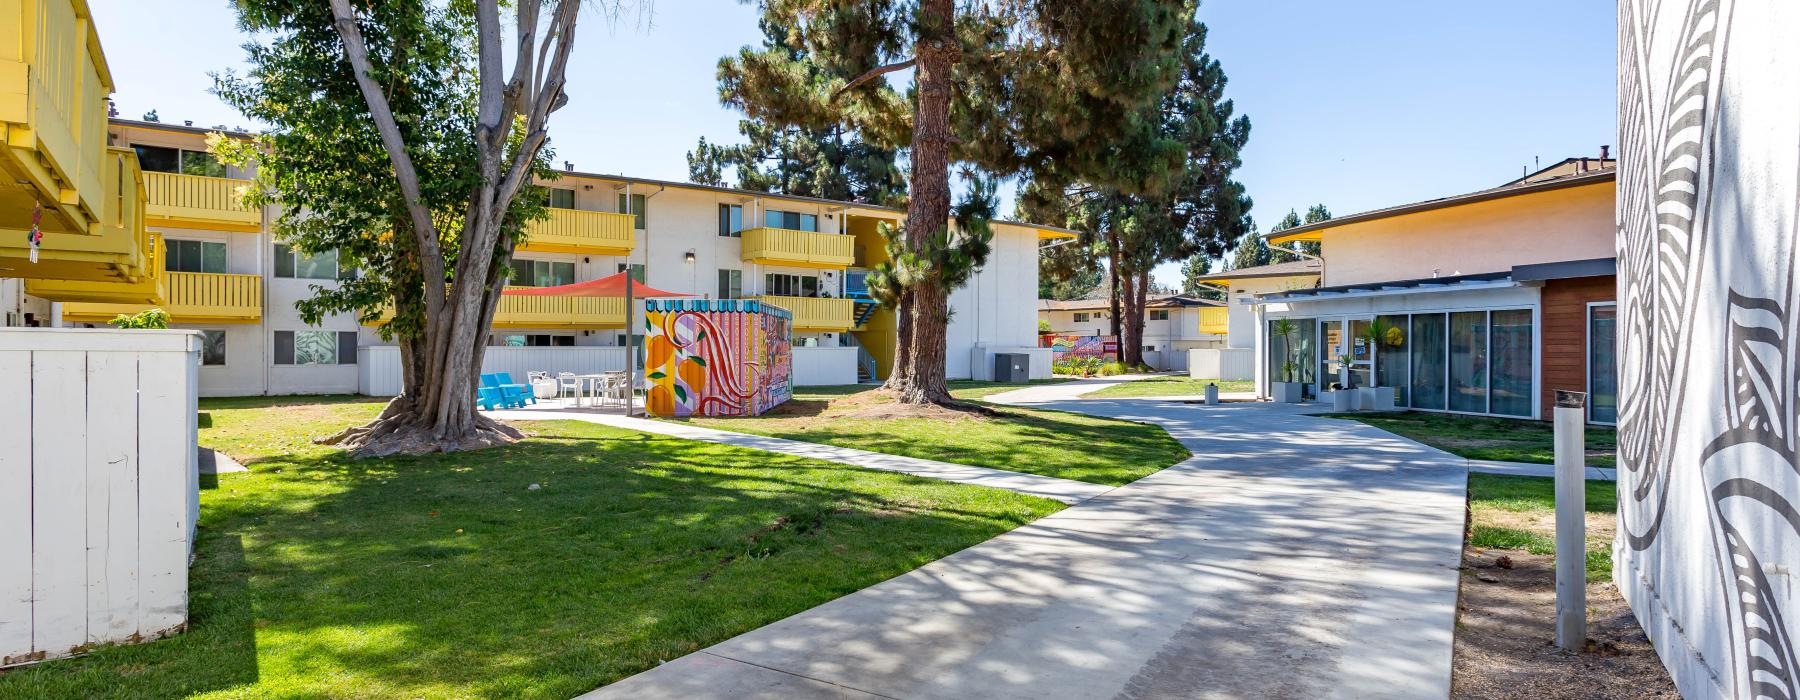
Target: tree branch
872,73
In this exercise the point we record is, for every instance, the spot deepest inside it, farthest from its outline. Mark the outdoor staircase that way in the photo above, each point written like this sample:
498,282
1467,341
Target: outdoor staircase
865,307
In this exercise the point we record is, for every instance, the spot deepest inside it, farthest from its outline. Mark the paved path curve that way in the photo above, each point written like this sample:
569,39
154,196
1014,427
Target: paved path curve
1293,556
1065,490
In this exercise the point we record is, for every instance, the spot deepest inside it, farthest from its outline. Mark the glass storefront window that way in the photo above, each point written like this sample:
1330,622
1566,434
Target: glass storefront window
1427,347
1331,333
1603,364
1391,357
1468,361
1510,358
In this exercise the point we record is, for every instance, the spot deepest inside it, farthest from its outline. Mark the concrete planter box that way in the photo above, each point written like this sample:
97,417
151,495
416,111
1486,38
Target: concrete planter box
1341,400
1286,392
1376,398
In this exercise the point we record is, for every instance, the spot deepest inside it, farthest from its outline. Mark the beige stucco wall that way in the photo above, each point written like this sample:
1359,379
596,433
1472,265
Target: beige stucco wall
1574,223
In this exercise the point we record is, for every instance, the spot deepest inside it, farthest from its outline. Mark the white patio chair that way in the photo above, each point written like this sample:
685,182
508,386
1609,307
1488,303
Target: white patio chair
566,381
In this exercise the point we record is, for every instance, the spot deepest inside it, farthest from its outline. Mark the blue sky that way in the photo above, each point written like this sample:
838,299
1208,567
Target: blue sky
1356,105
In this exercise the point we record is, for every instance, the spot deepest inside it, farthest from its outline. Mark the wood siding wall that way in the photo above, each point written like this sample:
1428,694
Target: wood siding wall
1565,333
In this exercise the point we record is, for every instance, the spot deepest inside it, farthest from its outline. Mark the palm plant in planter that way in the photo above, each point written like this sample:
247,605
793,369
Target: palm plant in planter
1344,396
1289,389
1375,397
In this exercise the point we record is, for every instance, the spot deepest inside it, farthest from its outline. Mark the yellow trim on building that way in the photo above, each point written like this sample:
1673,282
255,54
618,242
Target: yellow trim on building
780,246
816,315
193,298
582,232
197,201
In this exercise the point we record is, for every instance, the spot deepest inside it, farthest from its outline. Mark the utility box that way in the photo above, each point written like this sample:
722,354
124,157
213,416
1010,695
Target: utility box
1012,367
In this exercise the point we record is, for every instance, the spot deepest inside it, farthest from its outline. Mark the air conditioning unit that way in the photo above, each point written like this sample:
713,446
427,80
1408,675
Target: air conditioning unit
1012,367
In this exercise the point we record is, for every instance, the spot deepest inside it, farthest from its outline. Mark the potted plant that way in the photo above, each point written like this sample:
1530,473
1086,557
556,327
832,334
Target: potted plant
1378,334
1289,389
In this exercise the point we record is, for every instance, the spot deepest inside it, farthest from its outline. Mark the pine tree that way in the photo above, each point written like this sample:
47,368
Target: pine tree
1315,214
1192,270
1036,86
1252,250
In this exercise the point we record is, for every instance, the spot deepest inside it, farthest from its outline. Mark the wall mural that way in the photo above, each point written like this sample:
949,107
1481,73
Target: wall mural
1708,550
1066,346
716,357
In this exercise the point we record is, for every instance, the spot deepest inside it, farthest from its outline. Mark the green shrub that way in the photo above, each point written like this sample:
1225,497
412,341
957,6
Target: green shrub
148,318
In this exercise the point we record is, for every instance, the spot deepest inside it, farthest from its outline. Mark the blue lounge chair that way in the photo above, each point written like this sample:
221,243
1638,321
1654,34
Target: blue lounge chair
506,399
489,398
520,392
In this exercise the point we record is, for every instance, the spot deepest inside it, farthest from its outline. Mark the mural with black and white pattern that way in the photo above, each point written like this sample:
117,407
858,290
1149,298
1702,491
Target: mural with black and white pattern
1708,550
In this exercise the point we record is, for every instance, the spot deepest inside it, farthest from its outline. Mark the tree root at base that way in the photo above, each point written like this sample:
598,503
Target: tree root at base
400,432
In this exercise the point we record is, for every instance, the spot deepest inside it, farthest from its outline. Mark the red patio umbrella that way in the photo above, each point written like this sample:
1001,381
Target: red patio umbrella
617,285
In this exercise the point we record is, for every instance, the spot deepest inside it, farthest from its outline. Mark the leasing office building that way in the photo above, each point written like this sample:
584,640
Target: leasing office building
222,272
1487,302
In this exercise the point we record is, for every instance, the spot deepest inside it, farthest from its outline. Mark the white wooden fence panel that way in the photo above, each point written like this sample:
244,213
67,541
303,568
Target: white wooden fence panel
98,487
59,508
826,366
112,495
15,506
1225,364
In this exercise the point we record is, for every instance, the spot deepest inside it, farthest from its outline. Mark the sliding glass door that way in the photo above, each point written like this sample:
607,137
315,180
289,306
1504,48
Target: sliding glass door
1511,358
1331,343
1391,358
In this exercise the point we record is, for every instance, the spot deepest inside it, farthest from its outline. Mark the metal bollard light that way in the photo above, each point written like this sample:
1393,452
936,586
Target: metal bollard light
1571,519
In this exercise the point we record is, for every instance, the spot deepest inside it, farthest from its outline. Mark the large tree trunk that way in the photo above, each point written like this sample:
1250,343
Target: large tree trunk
1131,321
918,375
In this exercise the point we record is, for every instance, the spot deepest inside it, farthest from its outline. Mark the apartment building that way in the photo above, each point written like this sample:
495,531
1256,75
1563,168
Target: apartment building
227,276
1485,302
1173,324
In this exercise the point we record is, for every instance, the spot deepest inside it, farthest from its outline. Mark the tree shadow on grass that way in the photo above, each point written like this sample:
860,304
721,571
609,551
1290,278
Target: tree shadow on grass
450,574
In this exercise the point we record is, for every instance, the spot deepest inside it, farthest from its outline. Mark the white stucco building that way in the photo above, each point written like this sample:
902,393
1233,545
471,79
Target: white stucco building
230,278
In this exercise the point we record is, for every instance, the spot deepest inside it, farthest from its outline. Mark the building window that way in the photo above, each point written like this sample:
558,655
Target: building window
637,272
298,265
790,285
543,273
161,159
731,284
194,256
1083,317
731,220
1159,315
561,198
212,348
638,206
538,340
315,347
1603,363
793,220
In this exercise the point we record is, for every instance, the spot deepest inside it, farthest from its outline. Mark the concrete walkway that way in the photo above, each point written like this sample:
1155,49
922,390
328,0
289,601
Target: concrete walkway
1065,490
1293,556
1063,391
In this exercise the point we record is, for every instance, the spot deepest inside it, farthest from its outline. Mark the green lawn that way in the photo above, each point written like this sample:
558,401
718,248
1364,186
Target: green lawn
1503,439
1170,386
1519,512
1051,443
440,576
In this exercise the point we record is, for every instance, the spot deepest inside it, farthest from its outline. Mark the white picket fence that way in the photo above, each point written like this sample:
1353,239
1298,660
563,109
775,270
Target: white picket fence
99,487
826,366
378,366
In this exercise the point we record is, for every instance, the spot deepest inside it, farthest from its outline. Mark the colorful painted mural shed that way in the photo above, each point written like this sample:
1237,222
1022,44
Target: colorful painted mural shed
716,357
1066,346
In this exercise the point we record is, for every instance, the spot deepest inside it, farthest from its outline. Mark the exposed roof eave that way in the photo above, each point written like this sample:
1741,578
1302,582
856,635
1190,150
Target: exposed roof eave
1311,231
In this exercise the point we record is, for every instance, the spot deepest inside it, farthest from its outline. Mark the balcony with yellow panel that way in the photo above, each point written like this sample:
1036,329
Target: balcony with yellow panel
816,315
1214,320
522,312
115,248
582,232
151,289
193,297
53,87
780,246
200,202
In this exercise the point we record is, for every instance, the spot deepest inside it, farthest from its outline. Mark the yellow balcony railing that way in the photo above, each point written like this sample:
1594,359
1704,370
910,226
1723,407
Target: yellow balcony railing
816,314
575,231
780,246
193,297
198,201
53,88
150,289
1214,320
115,248
548,313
